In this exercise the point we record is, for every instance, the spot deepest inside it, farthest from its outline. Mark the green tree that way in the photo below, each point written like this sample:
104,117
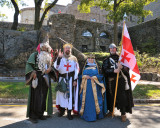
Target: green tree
38,4
116,10
11,4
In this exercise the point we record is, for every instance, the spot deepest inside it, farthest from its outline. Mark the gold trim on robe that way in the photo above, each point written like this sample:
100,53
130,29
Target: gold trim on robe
94,81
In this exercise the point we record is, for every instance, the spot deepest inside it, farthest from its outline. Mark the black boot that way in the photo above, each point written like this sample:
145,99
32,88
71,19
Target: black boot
70,117
62,111
42,118
33,120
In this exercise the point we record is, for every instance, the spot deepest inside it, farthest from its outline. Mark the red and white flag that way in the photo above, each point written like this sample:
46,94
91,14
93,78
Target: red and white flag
128,59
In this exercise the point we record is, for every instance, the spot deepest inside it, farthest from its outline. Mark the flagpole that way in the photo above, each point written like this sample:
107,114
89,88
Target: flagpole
118,62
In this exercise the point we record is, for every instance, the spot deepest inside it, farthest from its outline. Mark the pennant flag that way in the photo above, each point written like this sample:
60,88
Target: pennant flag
128,59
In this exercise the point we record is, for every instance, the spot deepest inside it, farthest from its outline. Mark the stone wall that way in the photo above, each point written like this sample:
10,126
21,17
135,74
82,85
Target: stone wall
71,30
149,76
147,33
15,49
21,26
95,42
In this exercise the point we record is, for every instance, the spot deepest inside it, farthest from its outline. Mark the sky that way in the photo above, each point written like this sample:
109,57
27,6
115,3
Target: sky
30,3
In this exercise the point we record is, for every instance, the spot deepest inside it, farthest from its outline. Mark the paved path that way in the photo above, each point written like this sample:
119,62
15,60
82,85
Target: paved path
144,116
149,82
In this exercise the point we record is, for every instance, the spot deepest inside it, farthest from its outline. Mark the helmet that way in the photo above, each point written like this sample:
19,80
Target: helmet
112,45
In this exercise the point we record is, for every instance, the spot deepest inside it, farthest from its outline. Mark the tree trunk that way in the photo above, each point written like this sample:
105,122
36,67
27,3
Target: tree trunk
45,12
116,33
15,20
115,23
37,16
38,22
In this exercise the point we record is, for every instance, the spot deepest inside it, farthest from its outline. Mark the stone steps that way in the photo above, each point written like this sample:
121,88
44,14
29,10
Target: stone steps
150,76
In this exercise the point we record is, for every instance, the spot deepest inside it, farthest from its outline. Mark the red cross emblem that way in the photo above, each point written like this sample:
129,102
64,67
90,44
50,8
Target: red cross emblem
132,78
67,66
124,57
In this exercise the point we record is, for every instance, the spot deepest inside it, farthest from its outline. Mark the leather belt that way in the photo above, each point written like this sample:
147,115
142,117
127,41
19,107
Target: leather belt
70,74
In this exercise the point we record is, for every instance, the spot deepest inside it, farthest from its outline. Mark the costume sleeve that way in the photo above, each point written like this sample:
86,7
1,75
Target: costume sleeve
53,74
30,68
57,63
28,78
105,67
76,70
125,70
30,63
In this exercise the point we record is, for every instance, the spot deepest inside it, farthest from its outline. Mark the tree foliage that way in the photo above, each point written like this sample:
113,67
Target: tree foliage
9,4
3,16
117,8
12,4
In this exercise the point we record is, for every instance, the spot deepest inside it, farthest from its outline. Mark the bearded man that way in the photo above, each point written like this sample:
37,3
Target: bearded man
68,69
38,72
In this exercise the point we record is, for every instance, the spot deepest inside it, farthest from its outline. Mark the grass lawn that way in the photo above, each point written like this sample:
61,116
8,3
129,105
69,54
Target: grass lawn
19,90
146,92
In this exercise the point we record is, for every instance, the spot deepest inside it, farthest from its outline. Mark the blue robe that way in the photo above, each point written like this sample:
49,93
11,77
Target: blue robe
89,109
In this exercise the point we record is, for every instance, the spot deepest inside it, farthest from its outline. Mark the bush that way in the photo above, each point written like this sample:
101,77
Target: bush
145,61
100,56
149,47
22,29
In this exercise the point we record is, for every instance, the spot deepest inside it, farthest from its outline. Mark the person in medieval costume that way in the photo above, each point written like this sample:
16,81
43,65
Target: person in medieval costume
92,101
67,88
124,99
38,73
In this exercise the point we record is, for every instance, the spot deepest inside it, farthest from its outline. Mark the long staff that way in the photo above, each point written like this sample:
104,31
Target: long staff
118,73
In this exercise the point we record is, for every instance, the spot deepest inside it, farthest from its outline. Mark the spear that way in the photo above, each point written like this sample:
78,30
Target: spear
124,17
81,55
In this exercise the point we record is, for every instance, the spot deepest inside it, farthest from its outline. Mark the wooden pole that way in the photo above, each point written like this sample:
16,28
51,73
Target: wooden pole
118,73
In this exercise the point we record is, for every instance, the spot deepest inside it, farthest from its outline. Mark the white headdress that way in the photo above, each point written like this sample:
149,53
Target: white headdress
45,43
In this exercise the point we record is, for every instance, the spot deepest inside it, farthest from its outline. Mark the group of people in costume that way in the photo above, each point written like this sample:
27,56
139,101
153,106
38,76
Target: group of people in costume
89,91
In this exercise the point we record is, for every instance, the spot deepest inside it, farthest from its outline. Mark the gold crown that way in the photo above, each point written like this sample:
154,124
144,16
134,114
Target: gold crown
91,56
68,45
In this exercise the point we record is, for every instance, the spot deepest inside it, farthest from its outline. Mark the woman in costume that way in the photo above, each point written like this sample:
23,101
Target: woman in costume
92,92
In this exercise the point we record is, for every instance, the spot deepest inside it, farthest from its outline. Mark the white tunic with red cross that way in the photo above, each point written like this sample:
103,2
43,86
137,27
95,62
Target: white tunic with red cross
67,66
